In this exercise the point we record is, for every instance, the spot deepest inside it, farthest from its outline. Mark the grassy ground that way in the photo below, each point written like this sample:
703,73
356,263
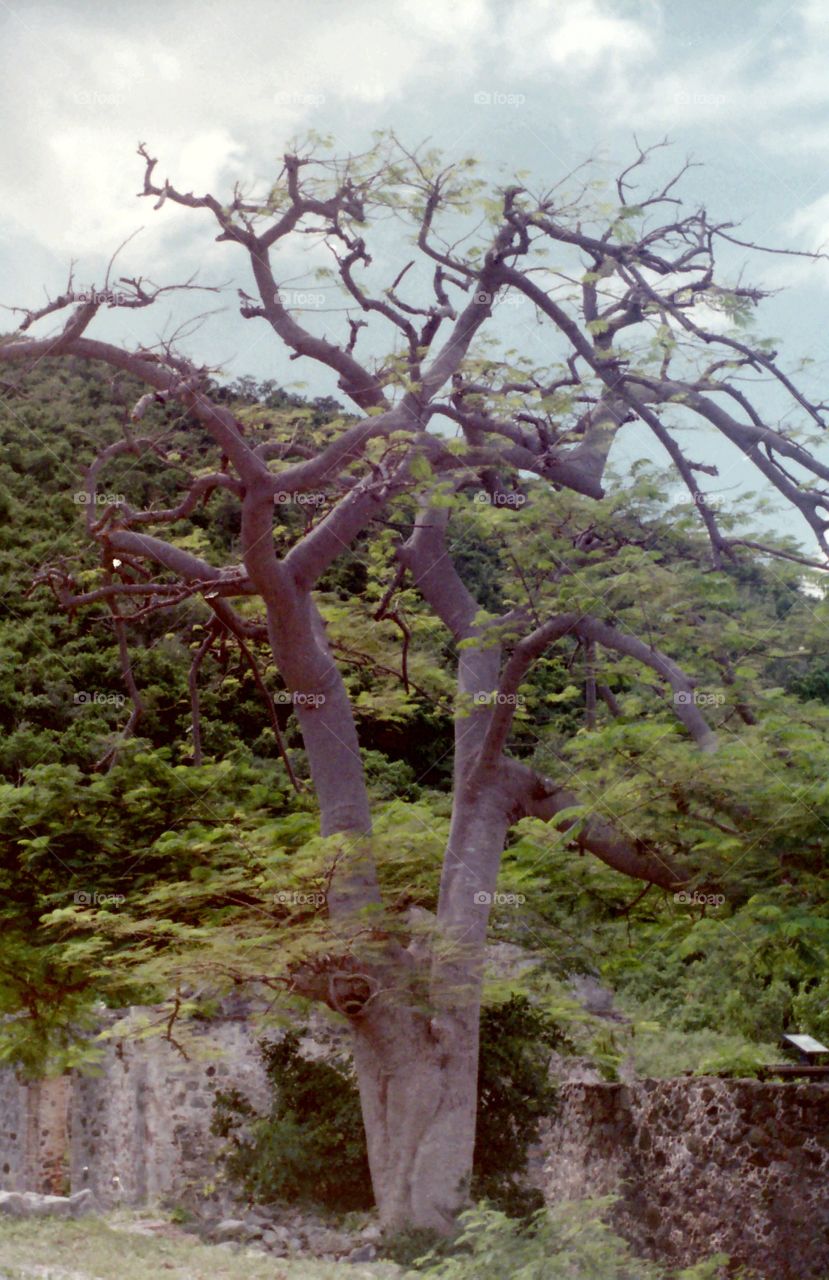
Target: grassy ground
129,1247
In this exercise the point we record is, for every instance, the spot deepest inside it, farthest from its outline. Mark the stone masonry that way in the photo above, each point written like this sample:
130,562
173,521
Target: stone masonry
703,1165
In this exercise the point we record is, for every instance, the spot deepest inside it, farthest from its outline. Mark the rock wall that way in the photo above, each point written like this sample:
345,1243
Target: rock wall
700,1165
33,1127
703,1165
137,1130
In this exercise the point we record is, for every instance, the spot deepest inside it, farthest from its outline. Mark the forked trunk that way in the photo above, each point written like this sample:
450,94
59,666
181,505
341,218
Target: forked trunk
416,1038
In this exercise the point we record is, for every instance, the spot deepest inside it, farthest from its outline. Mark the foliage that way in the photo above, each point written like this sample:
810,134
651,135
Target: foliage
186,863
811,1007
668,1051
514,1094
740,971
194,865
746,1062
86,860
570,1239
310,1148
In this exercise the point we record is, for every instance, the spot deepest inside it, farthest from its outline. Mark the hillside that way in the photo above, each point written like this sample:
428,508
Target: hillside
121,883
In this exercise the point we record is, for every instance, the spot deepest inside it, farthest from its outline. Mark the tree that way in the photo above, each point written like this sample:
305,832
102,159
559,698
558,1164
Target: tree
627,343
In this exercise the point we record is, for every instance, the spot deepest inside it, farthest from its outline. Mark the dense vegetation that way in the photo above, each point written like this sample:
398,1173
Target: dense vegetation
572,1239
162,881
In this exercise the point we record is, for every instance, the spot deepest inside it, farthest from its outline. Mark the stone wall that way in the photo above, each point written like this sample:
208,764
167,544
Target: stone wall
703,1165
34,1152
700,1165
137,1129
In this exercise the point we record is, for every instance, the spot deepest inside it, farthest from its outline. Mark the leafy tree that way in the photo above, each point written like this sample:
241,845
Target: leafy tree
311,1147
620,285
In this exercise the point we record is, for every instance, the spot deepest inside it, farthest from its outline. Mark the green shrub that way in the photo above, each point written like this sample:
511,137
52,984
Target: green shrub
570,1241
310,1148
408,1248
669,1052
514,1095
747,1061
811,1009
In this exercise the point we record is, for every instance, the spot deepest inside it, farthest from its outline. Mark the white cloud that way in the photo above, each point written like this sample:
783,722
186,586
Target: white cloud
216,95
448,22
575,37
217,91
773,69
812,221
808,228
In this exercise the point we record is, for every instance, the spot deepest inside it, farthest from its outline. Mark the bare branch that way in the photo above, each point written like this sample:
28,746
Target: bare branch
592,630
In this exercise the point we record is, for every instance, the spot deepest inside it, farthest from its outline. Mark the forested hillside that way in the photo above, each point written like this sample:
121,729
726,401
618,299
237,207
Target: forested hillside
170,865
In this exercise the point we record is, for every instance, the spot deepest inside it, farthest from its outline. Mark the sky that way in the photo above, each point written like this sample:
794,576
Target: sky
217,89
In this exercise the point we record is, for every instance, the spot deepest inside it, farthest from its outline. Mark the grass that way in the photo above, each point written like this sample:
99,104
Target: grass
129,1246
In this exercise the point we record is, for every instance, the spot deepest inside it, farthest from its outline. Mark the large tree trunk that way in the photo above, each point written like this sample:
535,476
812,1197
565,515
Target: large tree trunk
418,1088
417,1061
416,1034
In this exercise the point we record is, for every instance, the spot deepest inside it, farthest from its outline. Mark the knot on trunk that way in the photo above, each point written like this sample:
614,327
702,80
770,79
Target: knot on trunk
349,993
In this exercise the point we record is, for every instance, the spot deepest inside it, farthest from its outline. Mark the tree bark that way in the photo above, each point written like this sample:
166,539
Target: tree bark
417,1060
418,1089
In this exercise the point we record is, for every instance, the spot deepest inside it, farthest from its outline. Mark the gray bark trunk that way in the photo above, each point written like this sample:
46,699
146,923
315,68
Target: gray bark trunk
416,1040
418,1070
418,1089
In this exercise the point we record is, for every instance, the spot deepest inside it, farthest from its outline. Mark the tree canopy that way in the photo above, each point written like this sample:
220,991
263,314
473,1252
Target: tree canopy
397,667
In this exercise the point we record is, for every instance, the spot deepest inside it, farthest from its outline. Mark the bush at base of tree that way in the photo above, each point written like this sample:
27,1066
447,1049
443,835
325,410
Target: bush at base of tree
514,1095
310,1148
